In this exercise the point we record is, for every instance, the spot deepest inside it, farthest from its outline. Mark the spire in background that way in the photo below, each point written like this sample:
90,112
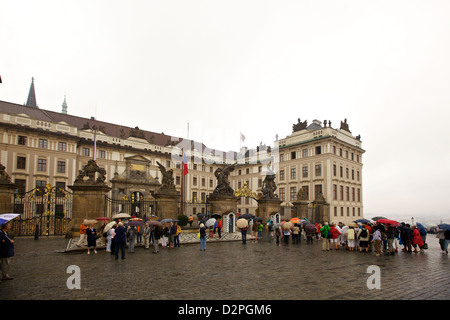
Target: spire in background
31,102
64,105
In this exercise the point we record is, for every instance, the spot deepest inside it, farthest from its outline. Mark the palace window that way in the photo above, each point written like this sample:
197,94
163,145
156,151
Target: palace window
22,140
282,194
43,143
21,162
42,165
318,170
293,193
85,152
305,172
62,146
281,175
293,173
61,167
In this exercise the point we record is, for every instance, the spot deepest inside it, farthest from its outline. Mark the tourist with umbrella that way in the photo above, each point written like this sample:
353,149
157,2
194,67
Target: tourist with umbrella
83,237
407,236
417,240
310,231
202,232
243,224
146,232
131,235
443,230
172,232
91,234
164,235
423,233
120,240
156,232
6,248
110,233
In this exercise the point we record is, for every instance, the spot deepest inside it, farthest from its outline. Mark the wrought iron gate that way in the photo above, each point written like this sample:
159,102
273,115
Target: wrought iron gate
43,211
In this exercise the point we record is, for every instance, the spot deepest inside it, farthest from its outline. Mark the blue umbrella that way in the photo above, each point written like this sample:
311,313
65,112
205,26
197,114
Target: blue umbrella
166,220
362,221
444,226
421,227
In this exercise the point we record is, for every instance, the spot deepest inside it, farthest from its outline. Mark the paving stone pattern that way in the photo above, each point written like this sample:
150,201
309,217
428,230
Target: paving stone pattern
226,270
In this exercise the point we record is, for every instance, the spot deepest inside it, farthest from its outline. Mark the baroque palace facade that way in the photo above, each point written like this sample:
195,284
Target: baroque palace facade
40,147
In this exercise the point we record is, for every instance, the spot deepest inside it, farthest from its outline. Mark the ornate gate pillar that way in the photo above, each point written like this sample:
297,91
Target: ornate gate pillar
88,200
6,192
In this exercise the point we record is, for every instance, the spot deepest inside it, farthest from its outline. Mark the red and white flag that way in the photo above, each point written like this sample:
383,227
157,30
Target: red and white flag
242,137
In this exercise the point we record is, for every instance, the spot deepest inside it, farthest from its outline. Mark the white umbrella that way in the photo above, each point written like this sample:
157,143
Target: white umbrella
121,215
287,226
242,223
210,222
109,226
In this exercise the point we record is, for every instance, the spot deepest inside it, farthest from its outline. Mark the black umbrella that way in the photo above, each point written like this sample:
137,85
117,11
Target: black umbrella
247,216
216,216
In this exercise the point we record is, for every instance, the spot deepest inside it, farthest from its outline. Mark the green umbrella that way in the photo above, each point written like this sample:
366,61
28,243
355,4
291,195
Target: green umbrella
376,218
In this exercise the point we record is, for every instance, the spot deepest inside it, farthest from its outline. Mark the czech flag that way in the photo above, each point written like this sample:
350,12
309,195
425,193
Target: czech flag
185,166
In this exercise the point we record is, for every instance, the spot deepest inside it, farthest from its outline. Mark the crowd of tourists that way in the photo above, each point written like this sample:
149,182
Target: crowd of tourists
380,238
120,235
386,239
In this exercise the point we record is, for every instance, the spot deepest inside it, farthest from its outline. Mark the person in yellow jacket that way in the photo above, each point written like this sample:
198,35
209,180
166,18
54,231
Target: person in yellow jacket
83,237
176,238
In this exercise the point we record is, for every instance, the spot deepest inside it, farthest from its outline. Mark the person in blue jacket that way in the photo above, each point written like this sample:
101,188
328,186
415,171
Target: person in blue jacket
120,240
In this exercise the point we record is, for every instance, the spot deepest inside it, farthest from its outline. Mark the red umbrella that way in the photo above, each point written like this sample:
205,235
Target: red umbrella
102,219
388,221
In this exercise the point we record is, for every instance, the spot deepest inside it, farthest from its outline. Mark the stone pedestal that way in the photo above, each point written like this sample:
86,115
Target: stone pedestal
88,202
268,207
167,204
301,207
223,204
7,197
320,212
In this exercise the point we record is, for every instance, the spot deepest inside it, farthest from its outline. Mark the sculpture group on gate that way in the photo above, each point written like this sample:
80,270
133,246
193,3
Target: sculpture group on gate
89,171
223,185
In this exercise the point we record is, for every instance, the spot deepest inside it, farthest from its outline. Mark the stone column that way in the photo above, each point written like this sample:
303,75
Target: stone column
7,197
301,208
268,207
6,191
222,204
167,204
88,202
323,209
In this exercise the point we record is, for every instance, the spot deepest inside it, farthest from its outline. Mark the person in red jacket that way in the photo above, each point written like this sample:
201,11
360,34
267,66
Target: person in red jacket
335,235
219,228
417,239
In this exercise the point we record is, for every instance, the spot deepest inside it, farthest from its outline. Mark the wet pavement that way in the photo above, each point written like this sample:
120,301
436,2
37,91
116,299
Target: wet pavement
226,270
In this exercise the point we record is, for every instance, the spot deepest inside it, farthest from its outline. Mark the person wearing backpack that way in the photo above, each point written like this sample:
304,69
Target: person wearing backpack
363,236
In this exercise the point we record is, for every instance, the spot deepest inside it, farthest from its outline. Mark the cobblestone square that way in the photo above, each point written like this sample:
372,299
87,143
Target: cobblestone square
225,271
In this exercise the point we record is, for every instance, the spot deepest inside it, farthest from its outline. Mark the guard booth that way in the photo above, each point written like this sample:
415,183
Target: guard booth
229,222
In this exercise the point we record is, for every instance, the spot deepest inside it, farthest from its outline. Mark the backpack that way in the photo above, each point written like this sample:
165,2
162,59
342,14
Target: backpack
363,233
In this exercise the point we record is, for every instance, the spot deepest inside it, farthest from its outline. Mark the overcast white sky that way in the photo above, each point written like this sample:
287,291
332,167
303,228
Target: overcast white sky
252,66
